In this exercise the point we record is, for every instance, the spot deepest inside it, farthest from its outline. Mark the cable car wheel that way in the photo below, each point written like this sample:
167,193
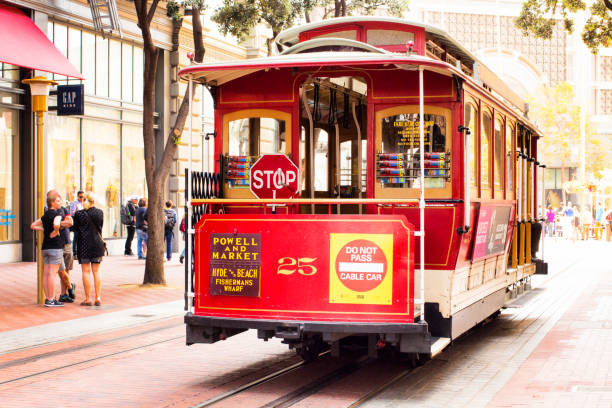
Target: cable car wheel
310,348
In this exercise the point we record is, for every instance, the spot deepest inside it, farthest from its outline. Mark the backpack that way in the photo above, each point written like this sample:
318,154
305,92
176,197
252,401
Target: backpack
170,220
126,218
182,227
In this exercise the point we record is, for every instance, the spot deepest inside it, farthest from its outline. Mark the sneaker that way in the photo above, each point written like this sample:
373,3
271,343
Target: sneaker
66,299
53,303
71,291
181,258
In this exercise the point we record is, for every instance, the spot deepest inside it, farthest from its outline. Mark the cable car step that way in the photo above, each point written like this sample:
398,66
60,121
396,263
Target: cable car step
438,344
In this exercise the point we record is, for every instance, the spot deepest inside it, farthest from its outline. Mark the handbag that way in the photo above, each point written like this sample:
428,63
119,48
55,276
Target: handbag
99,233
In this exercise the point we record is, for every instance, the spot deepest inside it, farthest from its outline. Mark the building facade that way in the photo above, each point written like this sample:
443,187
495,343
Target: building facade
101,151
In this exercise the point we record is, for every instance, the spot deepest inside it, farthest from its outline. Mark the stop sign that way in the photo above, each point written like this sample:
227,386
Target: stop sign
274,176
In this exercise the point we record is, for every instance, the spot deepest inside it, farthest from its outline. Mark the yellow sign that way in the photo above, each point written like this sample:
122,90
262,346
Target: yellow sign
361,269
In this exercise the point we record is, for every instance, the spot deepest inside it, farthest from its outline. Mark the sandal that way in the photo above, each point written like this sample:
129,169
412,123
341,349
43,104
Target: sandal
98,303
85,303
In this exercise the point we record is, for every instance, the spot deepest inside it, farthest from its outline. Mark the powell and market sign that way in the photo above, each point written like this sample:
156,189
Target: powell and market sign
70,100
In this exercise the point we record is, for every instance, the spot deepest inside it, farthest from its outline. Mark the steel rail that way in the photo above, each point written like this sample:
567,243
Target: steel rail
253,383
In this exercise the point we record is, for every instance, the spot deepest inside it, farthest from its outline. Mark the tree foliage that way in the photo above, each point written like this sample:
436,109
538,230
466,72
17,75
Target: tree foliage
557,114
240,18
539,17
342,8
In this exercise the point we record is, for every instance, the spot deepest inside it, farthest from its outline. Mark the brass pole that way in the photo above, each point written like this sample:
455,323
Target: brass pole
40,195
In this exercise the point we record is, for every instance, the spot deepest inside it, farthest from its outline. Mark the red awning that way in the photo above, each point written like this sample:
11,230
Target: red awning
24,45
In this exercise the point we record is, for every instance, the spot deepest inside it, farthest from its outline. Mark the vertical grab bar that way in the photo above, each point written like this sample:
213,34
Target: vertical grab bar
359,153
188,260
310,147
422,192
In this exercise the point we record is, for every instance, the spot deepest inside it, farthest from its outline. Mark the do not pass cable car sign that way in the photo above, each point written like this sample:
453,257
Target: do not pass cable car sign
274,176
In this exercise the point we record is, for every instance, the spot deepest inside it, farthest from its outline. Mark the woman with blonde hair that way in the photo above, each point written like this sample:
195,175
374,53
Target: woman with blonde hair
88,224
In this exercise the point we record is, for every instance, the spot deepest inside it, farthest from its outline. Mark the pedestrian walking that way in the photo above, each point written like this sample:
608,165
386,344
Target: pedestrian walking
170,220
141,228
599,221
67,294
128,218
550,221
586,219
75,206
88,224
50,223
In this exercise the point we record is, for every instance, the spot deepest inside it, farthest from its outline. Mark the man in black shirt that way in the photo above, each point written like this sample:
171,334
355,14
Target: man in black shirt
141,228
52,246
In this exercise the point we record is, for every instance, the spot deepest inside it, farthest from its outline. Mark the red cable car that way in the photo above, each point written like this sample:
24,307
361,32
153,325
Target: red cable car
369,147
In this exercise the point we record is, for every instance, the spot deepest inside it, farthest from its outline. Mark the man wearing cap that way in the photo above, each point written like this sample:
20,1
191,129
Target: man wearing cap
130,208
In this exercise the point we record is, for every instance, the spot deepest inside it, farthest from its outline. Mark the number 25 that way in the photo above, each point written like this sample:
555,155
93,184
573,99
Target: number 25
287,266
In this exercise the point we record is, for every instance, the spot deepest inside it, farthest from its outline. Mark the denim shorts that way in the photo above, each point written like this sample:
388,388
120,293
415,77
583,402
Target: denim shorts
53,257
90,260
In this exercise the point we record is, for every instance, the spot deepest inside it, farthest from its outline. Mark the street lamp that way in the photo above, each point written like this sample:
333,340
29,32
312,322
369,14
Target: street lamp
39,88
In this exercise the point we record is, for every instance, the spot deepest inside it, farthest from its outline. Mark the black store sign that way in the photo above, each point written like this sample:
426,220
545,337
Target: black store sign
70,100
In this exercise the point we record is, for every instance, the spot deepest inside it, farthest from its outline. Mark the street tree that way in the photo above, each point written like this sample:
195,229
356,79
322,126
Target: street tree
539,17
240,18
343,8
557,115
157,168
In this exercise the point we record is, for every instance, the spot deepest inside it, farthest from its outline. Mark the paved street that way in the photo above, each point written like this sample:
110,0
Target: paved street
547,349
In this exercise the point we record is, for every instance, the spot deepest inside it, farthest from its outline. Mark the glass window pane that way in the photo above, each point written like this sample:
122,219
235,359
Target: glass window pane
321,159
485,142
74,50
509,162
498,157
63,155
138,74
471,114
60,39
115,70
256,136
399,164
101,170
126,75
9,175
89,62
101,66
133,175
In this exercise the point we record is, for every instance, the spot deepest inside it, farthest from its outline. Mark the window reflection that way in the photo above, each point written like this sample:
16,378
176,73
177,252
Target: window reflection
101,170
485,142
499,157
256,136
63,155
9,177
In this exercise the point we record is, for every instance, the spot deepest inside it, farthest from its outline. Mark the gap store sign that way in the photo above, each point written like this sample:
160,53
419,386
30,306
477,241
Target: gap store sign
70,100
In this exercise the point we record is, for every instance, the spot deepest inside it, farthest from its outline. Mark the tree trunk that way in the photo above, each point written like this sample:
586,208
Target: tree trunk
157,171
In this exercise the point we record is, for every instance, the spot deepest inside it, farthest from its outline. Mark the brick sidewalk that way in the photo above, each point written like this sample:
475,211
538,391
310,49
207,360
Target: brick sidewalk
121,279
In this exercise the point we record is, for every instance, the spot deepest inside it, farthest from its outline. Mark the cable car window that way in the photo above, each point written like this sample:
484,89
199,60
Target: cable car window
256,136
509,162
471,115
389,37
348,34
485,142
320,159
399,161
498,157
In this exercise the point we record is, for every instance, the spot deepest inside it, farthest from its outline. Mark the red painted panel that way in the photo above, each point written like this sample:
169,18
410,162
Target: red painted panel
441,238
273,86
303,261
405,84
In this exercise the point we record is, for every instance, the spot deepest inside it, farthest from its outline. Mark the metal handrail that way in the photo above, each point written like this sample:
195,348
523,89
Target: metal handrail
289,201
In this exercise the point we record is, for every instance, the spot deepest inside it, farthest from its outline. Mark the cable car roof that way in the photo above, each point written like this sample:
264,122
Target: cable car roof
222,72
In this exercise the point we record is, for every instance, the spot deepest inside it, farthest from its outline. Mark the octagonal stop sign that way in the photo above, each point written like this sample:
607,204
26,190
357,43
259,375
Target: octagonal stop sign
274,176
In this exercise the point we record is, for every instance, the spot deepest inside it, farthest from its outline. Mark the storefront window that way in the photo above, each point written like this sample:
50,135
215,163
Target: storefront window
101,170
134,179
138,74
89,62
9,175
126,75
101,66
114,83
63,155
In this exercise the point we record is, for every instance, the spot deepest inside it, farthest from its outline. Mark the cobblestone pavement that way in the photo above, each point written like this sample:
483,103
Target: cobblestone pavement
550,350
